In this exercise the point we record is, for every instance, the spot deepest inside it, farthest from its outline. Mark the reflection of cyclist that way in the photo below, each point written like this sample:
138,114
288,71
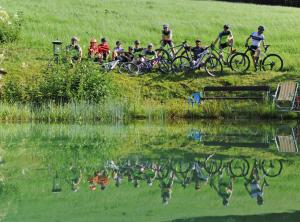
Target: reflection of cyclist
76,176
137,175
257,38
224,188
166,186
255,191
198,175
150,173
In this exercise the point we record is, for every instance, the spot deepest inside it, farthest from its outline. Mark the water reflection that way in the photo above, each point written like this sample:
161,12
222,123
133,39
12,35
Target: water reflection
218,173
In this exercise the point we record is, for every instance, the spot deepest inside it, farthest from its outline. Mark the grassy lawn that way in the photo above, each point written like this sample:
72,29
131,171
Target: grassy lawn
142,19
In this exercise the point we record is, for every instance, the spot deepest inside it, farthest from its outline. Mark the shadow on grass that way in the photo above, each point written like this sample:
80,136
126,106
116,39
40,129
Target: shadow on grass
274,217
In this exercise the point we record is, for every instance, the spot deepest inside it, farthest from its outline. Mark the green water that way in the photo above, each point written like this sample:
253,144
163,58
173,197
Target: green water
42,165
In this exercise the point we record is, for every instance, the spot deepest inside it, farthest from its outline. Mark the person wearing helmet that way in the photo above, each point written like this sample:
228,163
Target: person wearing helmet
255,190
224,188
149,53
197,49
74,50
257,38
225,38
93,50
103,50
126,56
118,50
166,186
167,38
137,49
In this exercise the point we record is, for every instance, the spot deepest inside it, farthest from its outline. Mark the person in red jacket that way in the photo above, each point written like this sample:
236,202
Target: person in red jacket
93,50
103,50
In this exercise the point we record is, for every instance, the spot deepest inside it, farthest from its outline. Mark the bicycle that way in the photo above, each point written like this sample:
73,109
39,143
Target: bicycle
206,59
123,67
145,66
182,50
240,61
223,55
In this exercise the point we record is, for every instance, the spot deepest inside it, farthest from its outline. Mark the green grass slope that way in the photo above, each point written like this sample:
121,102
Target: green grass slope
142,19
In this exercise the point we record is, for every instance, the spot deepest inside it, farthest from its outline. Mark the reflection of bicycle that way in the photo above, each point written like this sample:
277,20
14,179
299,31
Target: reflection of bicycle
240,61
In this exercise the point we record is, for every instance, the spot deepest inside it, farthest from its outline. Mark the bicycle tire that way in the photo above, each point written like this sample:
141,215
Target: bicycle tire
180,64
213,66
213,166
244,171
164,54
266,171
164,66
272,63
240,59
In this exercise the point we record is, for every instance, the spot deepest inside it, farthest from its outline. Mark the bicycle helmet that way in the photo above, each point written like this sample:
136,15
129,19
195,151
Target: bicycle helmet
198,40
103,40
150,45
137,42
165,26
226,26
74,38
118,42
130,48
93,41
261,28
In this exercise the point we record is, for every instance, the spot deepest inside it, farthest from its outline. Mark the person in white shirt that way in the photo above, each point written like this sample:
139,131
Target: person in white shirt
256,39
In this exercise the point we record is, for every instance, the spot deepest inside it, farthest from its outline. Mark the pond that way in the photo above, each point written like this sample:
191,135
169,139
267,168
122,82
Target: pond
150,171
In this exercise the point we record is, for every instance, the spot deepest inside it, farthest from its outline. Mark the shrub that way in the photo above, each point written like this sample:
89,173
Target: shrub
60,84
10,26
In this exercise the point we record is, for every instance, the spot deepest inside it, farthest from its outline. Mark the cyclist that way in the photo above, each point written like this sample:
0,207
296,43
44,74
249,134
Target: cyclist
167,38
225,38
256,39
255,191
74,50
137,49
197,50
166,186
127,56
103,50
118,50
93,50
102,179
224,188
76,176
149,53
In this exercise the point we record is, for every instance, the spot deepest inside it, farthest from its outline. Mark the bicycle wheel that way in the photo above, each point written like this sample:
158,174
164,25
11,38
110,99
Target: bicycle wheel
164,54
239,62
272,62
143,68
272,168
128,67
180,64
212,166
213,66
164,66
239,167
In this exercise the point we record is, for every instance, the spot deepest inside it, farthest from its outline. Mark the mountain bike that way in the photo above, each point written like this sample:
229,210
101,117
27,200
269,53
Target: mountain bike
240,61
206,60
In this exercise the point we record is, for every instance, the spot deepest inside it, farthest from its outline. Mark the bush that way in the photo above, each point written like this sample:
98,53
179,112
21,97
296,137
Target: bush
60,84
10,26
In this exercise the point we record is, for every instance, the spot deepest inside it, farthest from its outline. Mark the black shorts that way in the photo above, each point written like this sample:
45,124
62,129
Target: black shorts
253,48
224,45
167,42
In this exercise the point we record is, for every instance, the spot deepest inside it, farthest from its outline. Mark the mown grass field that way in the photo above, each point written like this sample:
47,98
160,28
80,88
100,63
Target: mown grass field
142,19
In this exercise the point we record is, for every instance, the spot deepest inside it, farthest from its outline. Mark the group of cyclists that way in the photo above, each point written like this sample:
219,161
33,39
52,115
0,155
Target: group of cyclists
170,172
100,52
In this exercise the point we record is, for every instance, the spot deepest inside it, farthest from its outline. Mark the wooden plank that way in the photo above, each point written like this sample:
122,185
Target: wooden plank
236,88
287,91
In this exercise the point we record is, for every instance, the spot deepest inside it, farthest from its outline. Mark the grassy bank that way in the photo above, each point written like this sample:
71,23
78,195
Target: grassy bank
153,95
